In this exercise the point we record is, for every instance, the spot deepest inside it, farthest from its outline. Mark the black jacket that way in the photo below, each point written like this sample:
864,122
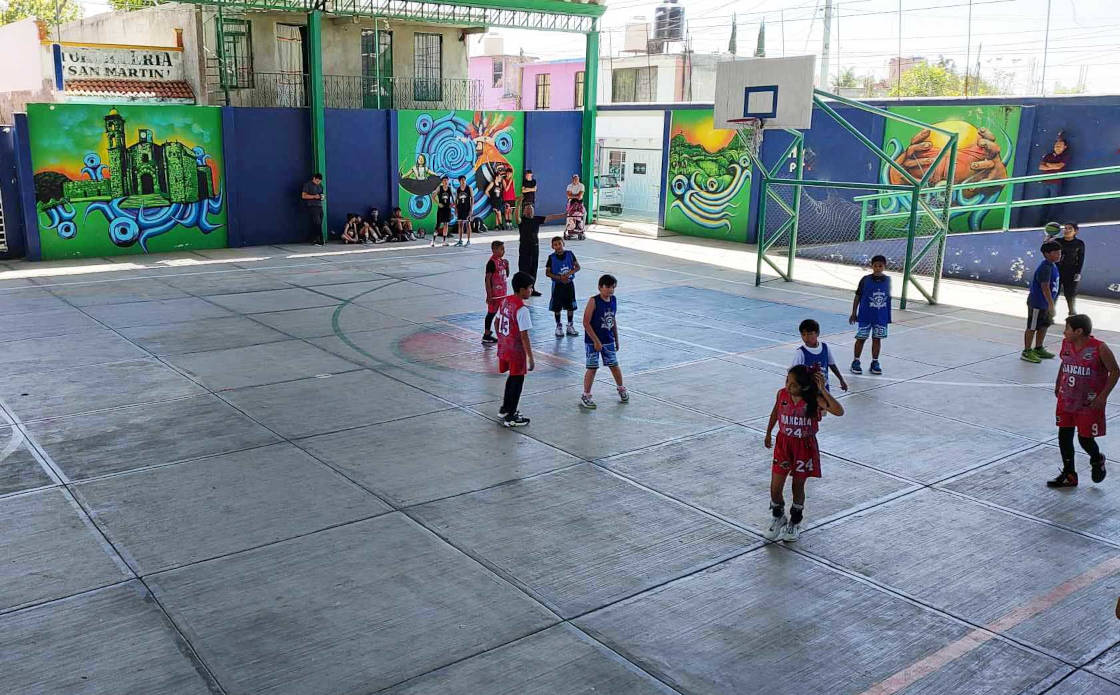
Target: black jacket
1073,256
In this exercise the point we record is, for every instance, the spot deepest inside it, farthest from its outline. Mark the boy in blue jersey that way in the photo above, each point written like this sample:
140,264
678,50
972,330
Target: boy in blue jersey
561,267
600,337
1040,303
815,355
871,309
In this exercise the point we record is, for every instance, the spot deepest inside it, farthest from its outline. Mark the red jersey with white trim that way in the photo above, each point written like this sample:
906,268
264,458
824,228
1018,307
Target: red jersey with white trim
509,333
498,287
1082,375
792,418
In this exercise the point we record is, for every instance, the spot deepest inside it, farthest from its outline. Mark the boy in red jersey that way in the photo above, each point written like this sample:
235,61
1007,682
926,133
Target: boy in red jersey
515,354
497,270
1086,378
798,408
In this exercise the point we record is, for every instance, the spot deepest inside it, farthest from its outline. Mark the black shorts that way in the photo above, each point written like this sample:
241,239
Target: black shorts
1038,318
463,213
443,216
496,203
563,297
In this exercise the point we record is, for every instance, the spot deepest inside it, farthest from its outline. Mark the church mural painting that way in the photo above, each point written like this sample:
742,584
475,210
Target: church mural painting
986,137
708,181
133,179
474,144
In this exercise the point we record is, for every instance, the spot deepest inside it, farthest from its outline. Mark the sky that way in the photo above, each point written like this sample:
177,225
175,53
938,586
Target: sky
1007,36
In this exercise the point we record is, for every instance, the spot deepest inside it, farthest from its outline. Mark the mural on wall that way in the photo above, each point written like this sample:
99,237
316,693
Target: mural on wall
708,181
134,179
985,153
474,144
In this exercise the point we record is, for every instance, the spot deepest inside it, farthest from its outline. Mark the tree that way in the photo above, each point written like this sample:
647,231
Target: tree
1060,88
132,4
47,11
732,46
760,46
845,80
924,80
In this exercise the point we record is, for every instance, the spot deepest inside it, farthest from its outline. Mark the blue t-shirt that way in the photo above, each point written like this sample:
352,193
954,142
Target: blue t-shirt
559,265
602,320
874,300
1046,273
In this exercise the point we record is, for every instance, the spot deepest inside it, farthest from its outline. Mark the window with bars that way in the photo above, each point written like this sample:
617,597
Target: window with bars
544,91
237,44
580,77
428,67
497,72
377,68
634,84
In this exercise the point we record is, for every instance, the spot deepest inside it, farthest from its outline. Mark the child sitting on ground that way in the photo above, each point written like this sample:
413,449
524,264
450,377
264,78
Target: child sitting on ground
356,230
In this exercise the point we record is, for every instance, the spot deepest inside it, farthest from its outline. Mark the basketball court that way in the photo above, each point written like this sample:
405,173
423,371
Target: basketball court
275,470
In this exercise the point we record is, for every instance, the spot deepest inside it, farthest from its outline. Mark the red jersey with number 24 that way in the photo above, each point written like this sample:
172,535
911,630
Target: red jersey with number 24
1083,375
498,287
795,450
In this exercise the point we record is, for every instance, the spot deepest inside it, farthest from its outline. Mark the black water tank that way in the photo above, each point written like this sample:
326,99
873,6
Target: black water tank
668,22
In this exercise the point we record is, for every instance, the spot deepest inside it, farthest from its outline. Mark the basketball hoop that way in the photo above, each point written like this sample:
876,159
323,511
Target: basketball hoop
749,132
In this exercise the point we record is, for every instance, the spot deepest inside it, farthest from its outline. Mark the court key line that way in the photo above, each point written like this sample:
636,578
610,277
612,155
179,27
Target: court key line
976,638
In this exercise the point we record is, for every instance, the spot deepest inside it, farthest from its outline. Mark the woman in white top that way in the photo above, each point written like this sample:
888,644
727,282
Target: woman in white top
576,210
575,189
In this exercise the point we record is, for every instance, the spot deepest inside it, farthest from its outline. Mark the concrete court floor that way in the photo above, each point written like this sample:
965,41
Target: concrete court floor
277,470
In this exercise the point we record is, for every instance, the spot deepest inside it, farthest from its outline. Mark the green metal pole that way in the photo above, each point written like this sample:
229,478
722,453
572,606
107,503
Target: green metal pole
760,225
940,265
866,142
796,206
377,60
909,247
590,95
862,220
222,79
315,93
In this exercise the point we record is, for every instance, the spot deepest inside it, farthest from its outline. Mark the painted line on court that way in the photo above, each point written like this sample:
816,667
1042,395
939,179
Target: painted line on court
974,639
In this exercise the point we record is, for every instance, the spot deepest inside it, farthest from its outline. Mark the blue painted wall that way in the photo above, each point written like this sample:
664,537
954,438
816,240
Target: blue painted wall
552,151
9,194
268,159
358,174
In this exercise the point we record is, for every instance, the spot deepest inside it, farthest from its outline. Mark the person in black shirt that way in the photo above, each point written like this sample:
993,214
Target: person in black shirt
528,188
1073,258
312,197
464,204
1054,161
444,198
529,244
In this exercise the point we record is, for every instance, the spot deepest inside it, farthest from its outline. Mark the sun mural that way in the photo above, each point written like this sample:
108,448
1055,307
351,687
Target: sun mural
475,144
708,180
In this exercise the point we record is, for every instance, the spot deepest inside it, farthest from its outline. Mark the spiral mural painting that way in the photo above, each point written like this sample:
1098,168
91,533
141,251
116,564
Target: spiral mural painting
474,144
986,137
708,182
137,179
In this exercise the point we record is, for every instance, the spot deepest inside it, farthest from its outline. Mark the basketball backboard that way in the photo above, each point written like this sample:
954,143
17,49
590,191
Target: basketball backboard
777,90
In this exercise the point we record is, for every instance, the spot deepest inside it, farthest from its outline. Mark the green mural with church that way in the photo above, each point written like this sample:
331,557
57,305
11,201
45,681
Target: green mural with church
115,180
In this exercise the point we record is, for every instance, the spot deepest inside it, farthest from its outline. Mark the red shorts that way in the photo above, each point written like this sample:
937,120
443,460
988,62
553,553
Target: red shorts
1089,423
515,364
797,457
492,305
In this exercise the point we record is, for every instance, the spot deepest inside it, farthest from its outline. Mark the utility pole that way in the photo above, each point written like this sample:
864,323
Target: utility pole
979,50
968,51
1045,49
825,44
782,19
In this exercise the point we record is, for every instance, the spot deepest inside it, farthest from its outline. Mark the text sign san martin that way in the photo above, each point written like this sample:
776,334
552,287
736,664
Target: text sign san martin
96,63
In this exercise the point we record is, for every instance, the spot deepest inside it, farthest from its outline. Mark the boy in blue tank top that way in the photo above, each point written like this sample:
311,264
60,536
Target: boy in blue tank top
815,355
871,309
561,267
600,337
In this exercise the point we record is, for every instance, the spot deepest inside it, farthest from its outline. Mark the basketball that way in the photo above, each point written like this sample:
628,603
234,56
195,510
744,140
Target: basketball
1052,228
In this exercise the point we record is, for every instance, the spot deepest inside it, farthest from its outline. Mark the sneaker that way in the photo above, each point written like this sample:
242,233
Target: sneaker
488,339
1064,479
1098,469
875,368
468,243
559,331
433,244
446,243
585,401
856,368
623,394
1030,356
459,243
515,420
791,532
777,523
572,330
1044,353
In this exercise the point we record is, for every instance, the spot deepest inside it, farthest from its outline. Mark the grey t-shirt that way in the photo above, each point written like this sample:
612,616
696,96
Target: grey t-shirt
312,188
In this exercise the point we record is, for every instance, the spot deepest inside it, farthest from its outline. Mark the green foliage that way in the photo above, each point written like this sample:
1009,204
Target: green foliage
939,80
43,10
846,80
132,4
688,159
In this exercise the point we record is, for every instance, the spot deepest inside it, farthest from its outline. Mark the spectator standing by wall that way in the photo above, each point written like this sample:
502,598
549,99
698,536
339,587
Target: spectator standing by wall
1056,160
312,196
1073,258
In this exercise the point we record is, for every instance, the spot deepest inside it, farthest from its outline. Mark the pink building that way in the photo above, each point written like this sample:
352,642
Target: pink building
552,85
500,76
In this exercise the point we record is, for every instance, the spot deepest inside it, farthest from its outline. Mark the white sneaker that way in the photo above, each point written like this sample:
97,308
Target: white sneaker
572,330
445,242
777,525
587,402
791,532
623,394
433,244
559,331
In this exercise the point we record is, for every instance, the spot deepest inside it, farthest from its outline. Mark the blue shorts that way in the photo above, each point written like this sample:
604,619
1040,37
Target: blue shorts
865,331
610,358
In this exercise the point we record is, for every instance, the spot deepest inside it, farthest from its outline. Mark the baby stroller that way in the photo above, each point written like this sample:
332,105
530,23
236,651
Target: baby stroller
573,225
